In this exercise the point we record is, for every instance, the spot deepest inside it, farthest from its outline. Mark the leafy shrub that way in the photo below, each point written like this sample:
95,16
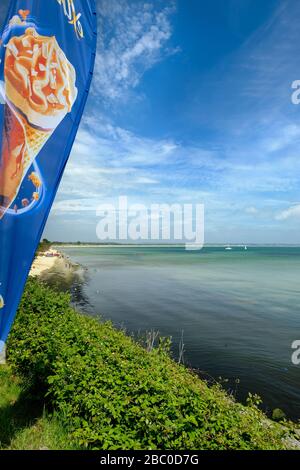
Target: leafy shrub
116,395
278,415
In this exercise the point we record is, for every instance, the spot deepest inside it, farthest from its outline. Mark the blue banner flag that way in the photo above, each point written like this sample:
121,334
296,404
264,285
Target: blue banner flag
47,55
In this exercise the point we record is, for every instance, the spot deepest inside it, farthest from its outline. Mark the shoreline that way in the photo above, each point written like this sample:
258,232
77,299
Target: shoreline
52,262
175,245
44,262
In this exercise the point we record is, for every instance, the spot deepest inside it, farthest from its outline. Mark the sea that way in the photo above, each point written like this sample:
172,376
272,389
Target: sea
232,315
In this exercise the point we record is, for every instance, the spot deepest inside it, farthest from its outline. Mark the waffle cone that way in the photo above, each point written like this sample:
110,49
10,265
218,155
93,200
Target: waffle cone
35,141
21,145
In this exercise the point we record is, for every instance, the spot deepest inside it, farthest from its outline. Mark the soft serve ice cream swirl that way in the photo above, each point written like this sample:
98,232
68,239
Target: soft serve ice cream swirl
39,79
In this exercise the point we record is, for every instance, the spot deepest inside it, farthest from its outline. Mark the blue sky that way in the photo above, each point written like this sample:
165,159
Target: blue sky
191,102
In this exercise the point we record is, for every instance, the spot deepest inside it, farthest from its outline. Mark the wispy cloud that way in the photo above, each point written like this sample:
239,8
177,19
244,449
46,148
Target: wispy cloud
133,37
110,161
250,90
285,136
292,212
251,210
117,146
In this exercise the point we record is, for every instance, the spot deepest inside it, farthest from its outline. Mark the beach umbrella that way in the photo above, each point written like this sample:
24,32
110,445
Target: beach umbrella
47,55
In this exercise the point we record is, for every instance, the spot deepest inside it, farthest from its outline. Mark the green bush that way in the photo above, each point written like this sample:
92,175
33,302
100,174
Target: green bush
115,395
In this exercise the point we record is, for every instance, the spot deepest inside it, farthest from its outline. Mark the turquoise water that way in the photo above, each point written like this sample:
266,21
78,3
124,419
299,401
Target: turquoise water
239,310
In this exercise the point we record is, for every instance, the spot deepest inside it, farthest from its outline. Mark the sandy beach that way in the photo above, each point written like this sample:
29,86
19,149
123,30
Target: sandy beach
45,261
56,269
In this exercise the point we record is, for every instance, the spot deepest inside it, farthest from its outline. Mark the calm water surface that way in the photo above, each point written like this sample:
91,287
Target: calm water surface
239,310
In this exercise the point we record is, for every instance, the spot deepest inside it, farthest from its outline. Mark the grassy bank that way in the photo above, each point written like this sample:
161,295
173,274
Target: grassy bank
113,394
24,422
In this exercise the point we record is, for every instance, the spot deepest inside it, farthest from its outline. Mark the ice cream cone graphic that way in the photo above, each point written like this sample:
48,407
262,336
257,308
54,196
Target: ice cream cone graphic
40,91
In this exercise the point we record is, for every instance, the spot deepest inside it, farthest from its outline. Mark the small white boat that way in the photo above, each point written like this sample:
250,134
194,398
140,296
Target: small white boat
228,248
246,248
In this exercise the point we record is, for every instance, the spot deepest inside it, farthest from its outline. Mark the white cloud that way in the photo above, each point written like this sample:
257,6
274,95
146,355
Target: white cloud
110,145
290,134
133,36
291,212
70,206
146,180
251,210
110,162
